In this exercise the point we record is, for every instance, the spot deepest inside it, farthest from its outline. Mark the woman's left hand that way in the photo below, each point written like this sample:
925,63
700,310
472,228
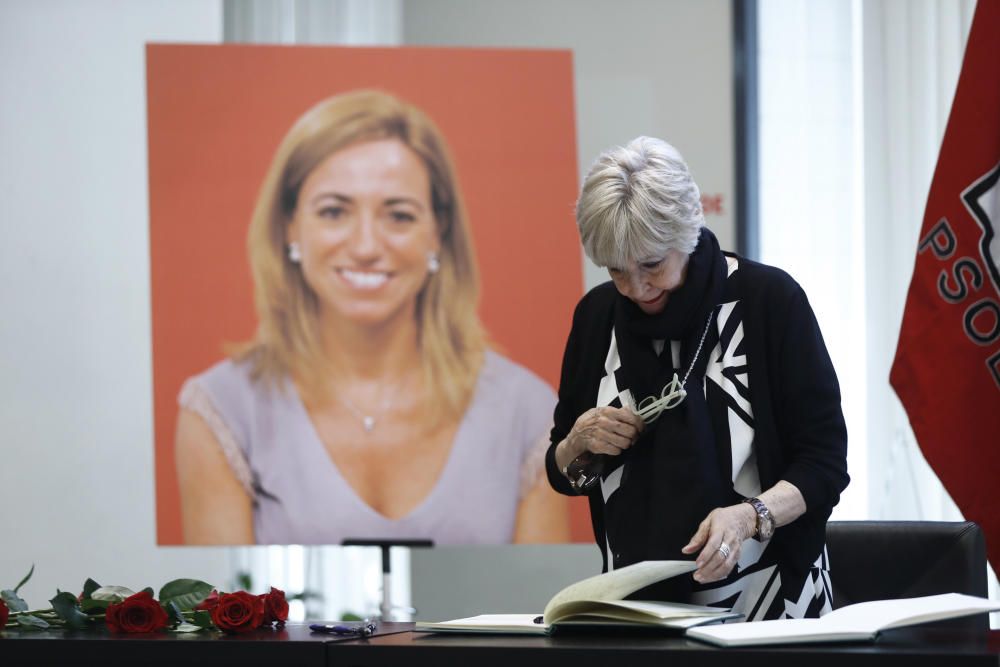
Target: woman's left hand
720,537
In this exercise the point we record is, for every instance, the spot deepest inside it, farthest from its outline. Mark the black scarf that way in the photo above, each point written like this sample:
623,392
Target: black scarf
673,476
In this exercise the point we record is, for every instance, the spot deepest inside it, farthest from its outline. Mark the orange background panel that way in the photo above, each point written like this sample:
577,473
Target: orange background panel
216,114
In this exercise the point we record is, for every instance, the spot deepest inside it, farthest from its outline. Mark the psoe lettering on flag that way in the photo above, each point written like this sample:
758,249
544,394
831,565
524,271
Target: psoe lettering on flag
947,366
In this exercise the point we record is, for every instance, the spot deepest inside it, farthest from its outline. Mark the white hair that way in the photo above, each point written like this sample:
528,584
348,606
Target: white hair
637,202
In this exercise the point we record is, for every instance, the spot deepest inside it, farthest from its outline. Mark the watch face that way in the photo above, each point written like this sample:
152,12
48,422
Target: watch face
765,522
765,527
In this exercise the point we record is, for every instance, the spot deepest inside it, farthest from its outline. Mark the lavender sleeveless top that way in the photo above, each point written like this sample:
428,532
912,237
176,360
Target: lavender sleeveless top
300,496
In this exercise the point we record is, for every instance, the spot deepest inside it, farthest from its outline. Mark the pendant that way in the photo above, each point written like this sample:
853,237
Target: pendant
368,422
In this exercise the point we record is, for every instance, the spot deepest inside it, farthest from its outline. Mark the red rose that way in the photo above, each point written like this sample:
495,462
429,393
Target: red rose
136,613
275,607
208,604
5,613
238,612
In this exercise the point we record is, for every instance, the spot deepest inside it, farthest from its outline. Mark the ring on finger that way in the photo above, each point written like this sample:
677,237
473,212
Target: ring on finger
724,550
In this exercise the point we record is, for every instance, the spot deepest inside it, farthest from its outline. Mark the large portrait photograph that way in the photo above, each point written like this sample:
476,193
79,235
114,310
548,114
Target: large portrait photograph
364,264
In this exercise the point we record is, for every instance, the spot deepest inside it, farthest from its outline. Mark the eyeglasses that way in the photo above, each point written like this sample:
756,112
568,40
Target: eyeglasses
673,394
363,629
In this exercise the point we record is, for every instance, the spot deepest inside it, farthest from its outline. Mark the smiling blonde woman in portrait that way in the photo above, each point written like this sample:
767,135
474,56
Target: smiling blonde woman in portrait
368,404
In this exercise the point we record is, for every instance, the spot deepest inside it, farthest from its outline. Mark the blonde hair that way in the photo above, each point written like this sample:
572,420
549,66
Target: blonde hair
288,339
638,201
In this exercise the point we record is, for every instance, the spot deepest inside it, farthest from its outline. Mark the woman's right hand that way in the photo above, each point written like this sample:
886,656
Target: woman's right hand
603,430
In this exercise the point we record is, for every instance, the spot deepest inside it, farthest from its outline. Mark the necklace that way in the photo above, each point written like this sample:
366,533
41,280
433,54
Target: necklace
368,421
673,394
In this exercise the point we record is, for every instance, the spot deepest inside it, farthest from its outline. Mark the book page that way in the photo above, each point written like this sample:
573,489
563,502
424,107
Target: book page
505,623
854,622
602,622
885,614
617,584
637,611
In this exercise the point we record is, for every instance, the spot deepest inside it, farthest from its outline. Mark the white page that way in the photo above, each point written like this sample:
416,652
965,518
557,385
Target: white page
617,584
633,609
857,621
489,622
884,614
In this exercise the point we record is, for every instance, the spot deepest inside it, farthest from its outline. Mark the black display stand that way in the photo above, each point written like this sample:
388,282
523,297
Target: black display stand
385,606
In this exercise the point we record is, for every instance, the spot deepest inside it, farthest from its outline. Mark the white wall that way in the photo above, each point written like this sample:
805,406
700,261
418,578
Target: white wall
76,454
811,194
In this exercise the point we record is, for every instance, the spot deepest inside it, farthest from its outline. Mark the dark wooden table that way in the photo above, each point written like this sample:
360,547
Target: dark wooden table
292,645
911,646
296,645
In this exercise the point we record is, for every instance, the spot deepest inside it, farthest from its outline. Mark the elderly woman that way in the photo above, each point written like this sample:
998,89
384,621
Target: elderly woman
368,405
698,406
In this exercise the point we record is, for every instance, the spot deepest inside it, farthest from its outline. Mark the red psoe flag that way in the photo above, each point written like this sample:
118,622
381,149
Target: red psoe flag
947,366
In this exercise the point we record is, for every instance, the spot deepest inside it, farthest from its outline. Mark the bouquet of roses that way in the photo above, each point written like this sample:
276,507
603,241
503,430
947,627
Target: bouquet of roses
183,605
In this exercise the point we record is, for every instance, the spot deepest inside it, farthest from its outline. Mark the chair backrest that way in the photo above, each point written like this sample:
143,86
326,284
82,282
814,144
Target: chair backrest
876,560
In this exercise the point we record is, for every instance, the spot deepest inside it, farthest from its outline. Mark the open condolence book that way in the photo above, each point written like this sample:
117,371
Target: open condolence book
598,601
856,622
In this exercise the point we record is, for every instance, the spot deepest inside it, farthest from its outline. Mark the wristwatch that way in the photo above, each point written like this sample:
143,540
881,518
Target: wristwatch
765,522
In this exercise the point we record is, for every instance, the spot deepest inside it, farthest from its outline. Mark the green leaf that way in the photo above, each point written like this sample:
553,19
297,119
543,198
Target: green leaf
112,593
203,619
26,577
187,593
174,612
92,606
89,587
32,622
348,616
65,605
304,595
13,602
188,627
244,581
149,590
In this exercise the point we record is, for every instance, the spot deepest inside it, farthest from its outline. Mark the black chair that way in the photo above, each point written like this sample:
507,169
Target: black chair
875,560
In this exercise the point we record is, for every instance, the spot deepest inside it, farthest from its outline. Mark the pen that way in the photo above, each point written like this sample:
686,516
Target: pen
364,629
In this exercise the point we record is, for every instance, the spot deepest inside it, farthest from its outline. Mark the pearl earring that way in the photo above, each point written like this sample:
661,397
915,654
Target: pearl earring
294,253
433,264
